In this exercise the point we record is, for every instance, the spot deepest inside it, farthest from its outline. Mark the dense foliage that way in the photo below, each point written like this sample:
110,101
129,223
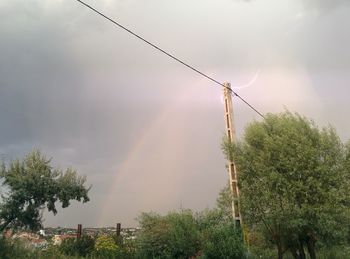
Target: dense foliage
10,250
208,234
294,180
78,247
105,246
223,241
31,185
172,236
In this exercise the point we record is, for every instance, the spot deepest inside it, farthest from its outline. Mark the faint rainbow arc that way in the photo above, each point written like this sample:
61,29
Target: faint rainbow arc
137,146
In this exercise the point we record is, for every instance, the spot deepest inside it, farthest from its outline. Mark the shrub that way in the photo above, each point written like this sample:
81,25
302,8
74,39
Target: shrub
175,235
223,241
67,246
53,252
80,247
14,249
85,245
105,247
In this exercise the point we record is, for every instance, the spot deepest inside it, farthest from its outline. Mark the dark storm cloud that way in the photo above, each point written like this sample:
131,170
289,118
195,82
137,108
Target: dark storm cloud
75,88
95,98
43,84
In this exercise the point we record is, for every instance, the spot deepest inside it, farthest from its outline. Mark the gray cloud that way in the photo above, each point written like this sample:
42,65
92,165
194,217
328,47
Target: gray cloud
325,5
145,130
319,3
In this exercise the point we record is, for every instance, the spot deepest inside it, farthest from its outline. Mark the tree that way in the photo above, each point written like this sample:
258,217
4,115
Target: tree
172,236
224,241
32,184
293,182
224,203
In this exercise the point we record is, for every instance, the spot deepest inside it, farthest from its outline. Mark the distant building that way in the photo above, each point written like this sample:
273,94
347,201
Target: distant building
57,239
30,239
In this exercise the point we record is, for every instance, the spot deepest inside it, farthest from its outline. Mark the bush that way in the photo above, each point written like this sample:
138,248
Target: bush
14,249
85,245
172,236
105,247
68,246
335,252
128,249
223,241
77,247
262,253
53,252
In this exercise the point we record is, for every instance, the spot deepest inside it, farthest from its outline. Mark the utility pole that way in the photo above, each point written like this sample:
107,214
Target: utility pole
118,229
231,136
79,231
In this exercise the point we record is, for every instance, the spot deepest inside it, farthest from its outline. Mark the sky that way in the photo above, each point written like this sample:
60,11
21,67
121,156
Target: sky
145,130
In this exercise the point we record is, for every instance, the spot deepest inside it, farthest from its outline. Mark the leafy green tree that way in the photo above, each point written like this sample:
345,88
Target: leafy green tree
219,237
224,241
293,182
347,190
172,236
224,203
209,217
220,214
32,184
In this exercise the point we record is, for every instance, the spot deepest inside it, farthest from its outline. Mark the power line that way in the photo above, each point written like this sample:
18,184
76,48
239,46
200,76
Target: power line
249,105
169,55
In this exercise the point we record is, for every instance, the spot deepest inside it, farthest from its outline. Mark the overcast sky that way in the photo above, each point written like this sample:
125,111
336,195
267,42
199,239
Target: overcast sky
144,129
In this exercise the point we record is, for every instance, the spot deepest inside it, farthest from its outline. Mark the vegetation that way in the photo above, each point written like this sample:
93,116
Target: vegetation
294,183
105,246
172,236
31,185
208,234
223,241
78,247
10,249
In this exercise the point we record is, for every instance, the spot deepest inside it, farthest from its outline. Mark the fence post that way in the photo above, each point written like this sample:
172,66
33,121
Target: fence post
119,227
79,231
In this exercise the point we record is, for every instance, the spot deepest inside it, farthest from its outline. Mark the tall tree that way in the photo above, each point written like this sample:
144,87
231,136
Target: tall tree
293,182
32,184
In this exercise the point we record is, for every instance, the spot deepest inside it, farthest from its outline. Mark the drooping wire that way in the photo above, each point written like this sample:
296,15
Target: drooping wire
169,55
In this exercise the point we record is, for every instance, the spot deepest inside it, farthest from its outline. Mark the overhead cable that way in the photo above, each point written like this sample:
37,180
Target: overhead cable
169,55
